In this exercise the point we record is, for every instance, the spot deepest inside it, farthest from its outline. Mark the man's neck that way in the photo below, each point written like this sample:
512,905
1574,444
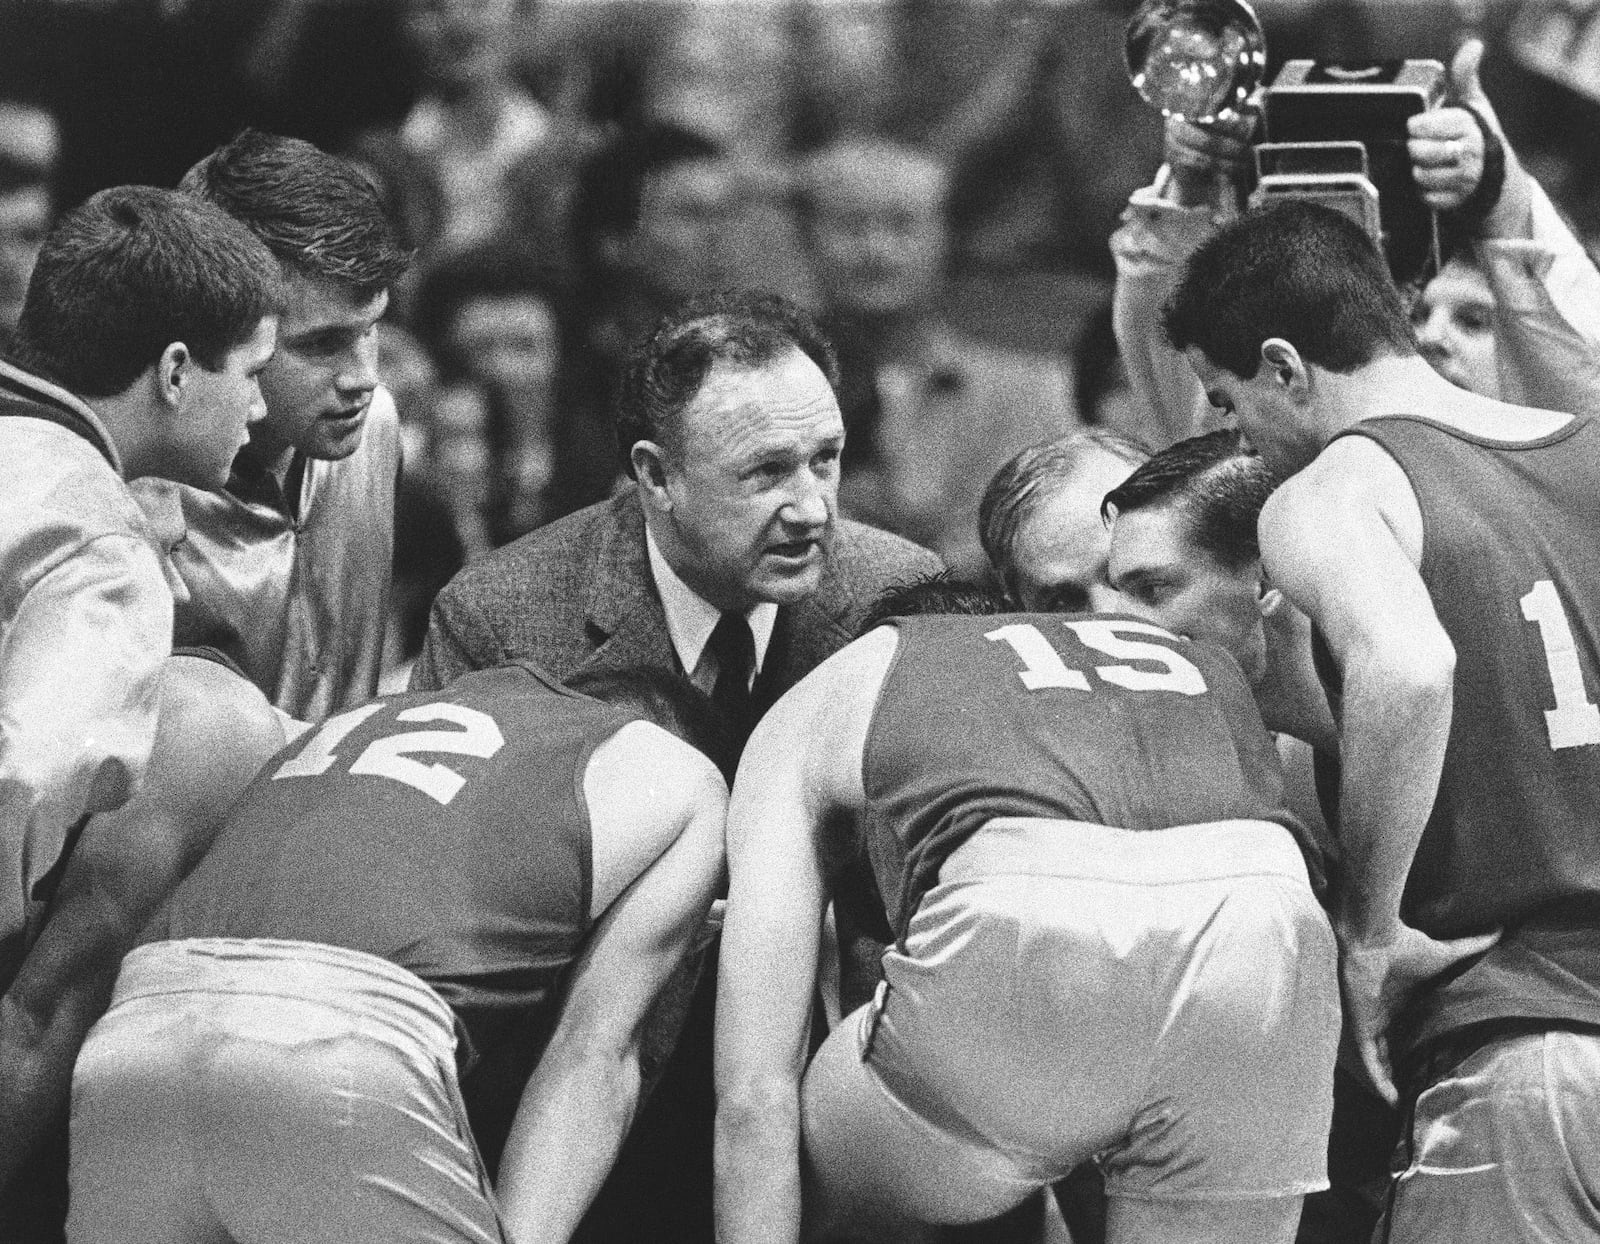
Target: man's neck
1395,385
1407,385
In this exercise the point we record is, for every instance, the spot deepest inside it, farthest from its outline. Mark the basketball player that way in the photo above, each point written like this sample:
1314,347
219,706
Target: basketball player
1107,941
399,893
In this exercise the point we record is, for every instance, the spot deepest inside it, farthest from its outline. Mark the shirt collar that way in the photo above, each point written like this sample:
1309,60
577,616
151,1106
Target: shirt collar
691,618
38,389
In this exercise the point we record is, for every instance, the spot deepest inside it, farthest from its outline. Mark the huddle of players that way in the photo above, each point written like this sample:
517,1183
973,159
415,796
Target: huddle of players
1107,945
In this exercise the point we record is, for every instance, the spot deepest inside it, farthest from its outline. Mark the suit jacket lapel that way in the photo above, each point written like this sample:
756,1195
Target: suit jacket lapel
624,613
806,634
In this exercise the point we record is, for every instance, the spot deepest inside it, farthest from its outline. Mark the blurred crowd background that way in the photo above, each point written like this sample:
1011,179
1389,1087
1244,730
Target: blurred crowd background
937,178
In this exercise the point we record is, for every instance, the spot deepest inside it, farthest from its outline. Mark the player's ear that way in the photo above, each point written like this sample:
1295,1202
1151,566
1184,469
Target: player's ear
649,462
172,373
1287,367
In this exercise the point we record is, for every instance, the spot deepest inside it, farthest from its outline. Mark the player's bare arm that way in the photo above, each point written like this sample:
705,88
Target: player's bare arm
215,732
801,769
656,808
1343,539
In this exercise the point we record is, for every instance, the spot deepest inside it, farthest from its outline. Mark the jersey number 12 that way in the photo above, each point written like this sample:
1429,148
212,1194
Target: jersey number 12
390,756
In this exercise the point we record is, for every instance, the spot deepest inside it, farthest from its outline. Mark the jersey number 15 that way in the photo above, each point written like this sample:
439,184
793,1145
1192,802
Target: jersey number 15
1043,666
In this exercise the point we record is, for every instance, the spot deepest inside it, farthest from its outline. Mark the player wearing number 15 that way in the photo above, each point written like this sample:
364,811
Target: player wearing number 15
1108,943
280,1059
1448,554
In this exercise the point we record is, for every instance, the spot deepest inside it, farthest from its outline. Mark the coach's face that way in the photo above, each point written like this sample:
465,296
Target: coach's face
741,499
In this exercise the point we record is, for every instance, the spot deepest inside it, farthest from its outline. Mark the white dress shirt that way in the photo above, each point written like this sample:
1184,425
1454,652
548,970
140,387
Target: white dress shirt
691,619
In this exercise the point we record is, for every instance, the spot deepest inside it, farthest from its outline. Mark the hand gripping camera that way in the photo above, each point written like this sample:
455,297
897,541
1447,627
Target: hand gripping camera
1334,134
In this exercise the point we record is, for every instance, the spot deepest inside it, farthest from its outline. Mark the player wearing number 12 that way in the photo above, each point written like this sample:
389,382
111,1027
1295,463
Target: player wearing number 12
280,1059
1448,553
1108,943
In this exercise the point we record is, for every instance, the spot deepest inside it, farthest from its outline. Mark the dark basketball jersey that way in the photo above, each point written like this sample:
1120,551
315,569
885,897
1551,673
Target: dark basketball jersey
1511,560
445,831
1082,717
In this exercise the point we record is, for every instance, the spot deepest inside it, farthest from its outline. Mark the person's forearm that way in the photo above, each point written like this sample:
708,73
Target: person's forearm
1149,248
1395,725
37,1053
758,1172
575,1112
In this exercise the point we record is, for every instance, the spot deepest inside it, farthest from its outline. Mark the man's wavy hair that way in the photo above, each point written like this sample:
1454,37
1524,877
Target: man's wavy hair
666,370
317,213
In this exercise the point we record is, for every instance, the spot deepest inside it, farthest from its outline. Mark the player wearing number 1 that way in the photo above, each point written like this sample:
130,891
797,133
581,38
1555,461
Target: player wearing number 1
408,890
1108,944
1447,548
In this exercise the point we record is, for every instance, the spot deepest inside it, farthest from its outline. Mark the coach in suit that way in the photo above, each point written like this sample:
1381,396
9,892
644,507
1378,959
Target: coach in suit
733,434
725,561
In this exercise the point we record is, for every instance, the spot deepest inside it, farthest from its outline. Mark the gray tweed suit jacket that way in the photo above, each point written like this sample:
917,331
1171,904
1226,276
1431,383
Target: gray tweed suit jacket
577,596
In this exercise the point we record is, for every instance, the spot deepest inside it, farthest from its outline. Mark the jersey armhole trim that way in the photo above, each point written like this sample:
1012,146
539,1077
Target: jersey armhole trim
869,744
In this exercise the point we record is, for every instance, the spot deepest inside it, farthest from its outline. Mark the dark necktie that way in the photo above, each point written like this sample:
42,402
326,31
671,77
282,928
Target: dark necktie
735,651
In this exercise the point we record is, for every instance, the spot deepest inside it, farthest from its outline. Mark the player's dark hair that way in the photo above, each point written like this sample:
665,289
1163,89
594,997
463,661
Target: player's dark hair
1217,486
1028,478
941,592
670,701
1299,271
316,212
611,186
132,270
666,369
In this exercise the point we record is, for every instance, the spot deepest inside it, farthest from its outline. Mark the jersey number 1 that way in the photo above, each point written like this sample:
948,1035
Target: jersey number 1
1574,721
390,756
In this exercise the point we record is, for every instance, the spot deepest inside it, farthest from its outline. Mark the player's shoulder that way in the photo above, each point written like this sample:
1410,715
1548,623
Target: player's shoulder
1353,469
651,761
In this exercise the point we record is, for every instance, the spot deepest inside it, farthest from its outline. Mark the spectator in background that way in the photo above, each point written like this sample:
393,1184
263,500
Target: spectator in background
1515,258
1040,522
478,156
428,548
493,317
931,412
1025,103
663,213
407,369
30,145
460,463
287,569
